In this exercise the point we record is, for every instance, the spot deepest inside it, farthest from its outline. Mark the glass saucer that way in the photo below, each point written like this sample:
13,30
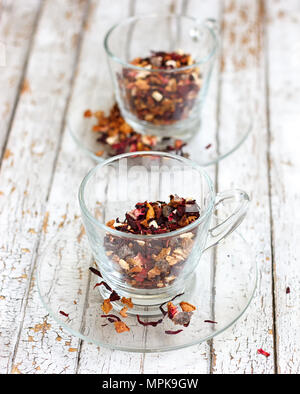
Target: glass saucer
221,289
223,128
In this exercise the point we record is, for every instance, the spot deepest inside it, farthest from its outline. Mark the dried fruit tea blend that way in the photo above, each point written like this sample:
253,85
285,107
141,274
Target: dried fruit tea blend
158,262
165,96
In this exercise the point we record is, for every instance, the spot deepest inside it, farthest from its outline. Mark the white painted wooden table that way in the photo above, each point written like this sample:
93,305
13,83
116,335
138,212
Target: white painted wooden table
47,54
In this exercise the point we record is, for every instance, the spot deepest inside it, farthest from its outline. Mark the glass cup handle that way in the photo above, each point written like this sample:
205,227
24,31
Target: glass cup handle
214,25
227,226
210,23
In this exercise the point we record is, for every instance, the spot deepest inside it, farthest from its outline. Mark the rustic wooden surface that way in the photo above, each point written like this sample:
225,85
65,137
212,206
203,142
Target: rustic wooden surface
47,47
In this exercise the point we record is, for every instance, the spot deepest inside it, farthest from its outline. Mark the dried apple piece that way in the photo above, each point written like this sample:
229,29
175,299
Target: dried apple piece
127,301
120,327
123,311
106,306
187,307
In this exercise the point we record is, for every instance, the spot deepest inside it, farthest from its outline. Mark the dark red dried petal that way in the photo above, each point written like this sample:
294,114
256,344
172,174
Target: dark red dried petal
288,290
64,313
112,317
114,296
103,284
261,351
148,323
95,271
173,332
210,321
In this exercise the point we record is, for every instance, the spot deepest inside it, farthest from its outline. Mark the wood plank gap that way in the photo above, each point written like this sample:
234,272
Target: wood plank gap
184,7
216,180
132,8
33,265
265,49
80,342
22,79
216,184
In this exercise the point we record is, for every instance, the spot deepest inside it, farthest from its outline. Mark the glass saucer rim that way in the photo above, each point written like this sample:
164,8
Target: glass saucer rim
148,350
221,157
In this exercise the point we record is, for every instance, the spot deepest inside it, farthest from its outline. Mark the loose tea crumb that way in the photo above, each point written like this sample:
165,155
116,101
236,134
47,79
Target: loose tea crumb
120,327
182,318
161,306
165,96
154,263
123,311
127,301
172,310
186,307
118,137
148,323
106,306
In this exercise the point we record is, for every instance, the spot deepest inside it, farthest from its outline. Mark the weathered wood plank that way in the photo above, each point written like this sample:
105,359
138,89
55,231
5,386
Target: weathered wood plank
26,171
235,351
17,25
93,359
196,359
283,57
93,90
106,361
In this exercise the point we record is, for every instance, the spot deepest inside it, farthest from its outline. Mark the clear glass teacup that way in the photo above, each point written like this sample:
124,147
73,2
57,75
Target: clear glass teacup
161,67
152,268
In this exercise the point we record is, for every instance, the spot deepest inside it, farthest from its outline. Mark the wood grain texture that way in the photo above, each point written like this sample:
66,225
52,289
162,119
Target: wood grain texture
26,171
236,350
198,358
283,31
92,75
17,26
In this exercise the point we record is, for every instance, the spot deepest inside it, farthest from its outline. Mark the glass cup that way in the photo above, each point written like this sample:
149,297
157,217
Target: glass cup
151,269
165,97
